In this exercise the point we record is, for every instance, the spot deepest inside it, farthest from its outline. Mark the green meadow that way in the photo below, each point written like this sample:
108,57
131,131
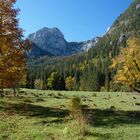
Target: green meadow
45,116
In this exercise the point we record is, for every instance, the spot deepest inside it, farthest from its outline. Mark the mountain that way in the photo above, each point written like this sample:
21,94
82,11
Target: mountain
126,25
91,69
37,52
90,43
52,41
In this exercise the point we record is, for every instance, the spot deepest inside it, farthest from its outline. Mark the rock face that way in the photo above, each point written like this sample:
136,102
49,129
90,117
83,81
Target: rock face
138,6
37,52
52,41
89,44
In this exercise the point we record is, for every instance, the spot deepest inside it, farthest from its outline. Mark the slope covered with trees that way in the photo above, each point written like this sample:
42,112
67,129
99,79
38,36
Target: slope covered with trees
128,65
91,70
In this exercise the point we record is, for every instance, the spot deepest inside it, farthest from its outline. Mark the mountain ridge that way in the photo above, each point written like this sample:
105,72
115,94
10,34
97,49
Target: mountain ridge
91,70
52,41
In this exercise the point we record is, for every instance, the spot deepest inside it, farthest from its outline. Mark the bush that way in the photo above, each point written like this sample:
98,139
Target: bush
103,89
78,114
94,95
75,107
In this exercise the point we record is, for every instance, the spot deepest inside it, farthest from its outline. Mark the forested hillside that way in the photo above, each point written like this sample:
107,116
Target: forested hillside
91,70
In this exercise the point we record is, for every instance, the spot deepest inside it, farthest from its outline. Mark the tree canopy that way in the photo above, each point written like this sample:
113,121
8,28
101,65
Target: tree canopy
128,65
12,54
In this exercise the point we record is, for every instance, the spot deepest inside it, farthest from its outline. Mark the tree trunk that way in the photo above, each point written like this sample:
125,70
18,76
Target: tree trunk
14,92
1,93
17,90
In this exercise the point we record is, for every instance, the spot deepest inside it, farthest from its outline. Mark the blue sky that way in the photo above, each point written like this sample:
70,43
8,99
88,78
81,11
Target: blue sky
77,19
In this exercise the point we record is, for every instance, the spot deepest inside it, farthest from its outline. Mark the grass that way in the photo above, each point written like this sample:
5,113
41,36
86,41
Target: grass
116,116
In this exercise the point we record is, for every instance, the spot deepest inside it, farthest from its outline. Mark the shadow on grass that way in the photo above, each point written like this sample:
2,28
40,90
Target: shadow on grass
112,118
99,135
31,110
100,118
57,121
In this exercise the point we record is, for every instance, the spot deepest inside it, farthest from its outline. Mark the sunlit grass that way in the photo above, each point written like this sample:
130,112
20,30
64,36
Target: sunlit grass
115,116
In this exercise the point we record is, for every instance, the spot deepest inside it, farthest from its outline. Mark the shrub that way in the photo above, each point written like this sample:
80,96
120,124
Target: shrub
94,95
76,111
38,84
75,107
103,89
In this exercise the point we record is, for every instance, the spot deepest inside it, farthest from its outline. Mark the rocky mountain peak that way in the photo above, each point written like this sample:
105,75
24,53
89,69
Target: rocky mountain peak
52,40
46,32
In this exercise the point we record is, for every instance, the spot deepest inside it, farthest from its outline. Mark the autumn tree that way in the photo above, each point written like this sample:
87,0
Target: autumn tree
12,51
69,82
55,81
128,65
38,84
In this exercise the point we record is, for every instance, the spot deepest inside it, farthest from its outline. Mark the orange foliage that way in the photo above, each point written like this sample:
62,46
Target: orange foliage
12,59
128,65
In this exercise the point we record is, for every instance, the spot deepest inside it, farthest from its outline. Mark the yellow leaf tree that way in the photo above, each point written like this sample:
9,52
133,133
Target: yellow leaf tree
128,65
12,51
69,82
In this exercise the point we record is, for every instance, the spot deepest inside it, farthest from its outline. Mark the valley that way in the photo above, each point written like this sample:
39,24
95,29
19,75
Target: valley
113,116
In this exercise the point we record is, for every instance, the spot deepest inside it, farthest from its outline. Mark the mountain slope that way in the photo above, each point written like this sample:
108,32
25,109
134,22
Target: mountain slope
52,40
91,69
37,52
126,25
